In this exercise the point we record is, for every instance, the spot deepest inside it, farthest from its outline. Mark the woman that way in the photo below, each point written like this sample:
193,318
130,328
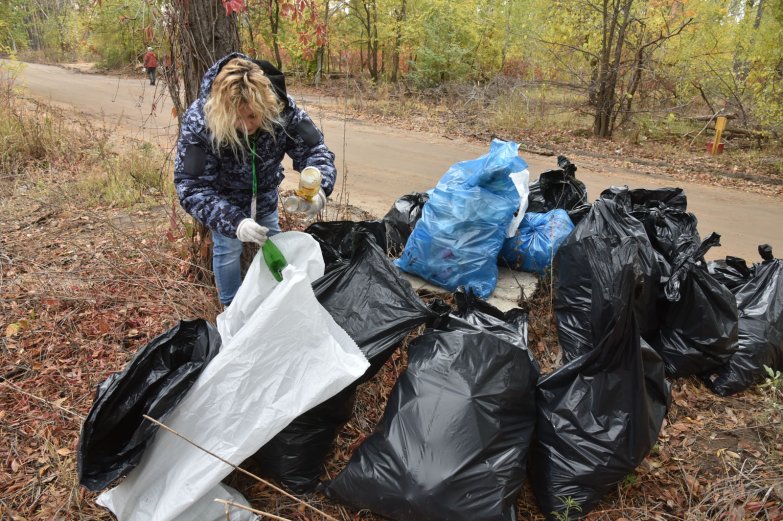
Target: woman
228,165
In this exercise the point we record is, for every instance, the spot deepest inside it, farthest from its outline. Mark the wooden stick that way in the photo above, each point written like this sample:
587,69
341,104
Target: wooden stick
240,469
248,509
44,400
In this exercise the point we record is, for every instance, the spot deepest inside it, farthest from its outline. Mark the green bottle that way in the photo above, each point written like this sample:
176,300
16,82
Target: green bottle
274,259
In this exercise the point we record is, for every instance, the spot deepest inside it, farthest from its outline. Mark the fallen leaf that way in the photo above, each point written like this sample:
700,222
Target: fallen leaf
693,484
17,327
64,451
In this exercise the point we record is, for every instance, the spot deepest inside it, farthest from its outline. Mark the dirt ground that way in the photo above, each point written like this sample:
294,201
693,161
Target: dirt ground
378,163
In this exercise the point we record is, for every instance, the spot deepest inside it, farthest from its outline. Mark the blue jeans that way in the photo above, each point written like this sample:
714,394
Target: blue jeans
227,257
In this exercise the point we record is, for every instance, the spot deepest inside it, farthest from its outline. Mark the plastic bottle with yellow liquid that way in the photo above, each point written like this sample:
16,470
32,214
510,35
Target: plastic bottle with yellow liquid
309,186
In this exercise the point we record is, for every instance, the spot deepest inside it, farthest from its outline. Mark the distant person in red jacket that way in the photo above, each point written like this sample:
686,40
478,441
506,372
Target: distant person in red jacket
151,64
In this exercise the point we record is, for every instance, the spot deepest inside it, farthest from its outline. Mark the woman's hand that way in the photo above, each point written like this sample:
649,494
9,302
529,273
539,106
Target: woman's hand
250,231
317,204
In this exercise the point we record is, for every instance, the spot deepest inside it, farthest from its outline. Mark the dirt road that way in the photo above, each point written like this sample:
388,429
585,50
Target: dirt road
377,164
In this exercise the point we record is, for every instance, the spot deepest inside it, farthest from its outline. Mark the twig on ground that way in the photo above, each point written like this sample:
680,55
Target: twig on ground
44,400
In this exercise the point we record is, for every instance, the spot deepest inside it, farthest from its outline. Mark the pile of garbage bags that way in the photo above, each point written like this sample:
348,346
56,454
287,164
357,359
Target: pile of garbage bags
471,416
282,355
466,219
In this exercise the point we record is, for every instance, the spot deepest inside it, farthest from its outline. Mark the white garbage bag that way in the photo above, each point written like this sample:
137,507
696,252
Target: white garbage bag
285,355
252,292
206,509
522,182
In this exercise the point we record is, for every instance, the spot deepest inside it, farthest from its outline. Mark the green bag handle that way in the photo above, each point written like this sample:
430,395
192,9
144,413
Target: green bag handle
274,260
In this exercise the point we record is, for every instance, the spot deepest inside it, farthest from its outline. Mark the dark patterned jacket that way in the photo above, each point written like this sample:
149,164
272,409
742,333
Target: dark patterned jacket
216,187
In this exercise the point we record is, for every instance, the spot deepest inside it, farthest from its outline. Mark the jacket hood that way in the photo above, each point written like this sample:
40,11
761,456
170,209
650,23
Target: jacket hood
276,77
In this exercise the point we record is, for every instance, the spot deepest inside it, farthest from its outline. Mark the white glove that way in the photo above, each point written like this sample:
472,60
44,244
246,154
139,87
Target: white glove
317,204
250,231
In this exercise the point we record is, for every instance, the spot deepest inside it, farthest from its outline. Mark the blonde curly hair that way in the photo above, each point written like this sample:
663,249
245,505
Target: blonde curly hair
240,82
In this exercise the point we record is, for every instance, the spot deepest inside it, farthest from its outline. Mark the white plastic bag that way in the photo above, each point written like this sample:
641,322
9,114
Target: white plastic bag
206,509
522,182
258,279
285,355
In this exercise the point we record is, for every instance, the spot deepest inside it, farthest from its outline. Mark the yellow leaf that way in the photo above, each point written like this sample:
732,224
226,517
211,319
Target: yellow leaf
16,327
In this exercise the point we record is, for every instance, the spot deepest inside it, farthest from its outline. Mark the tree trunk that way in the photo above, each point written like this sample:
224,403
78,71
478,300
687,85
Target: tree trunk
374,39
636,80
200,34
372,59
274,25
321,49
400,19
759,15
507,38
615,23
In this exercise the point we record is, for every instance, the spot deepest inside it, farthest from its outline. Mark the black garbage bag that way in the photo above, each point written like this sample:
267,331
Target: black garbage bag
600,414
671,229
369,299
557,189
336,238
509,325
760,304
295,456
401,219
574,277
640,198
377,308
115,434
453,440
698,318
732,272
672,232
578,213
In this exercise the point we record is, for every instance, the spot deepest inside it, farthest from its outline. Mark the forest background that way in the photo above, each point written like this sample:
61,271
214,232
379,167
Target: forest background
644,69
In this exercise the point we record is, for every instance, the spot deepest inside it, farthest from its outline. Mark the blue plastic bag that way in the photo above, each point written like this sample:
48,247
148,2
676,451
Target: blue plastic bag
463,225
536,241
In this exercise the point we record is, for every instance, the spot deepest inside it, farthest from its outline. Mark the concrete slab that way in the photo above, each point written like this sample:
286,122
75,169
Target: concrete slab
507,292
